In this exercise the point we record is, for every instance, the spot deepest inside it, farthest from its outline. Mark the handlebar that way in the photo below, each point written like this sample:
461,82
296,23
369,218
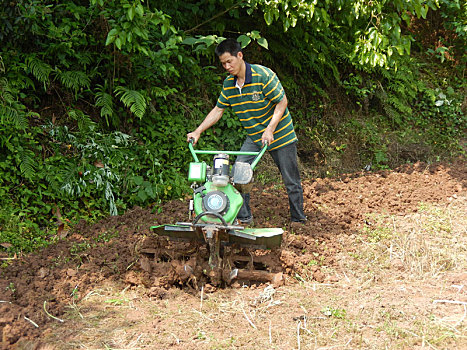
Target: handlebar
258,154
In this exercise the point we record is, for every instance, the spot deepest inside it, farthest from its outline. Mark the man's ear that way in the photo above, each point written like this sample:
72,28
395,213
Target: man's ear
240,55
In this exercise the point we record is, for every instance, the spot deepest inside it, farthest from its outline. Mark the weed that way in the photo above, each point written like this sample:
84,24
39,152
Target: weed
312,263
74,309
117,301
334,312
201,335
106,236
437,221
377,234
11,287
78,248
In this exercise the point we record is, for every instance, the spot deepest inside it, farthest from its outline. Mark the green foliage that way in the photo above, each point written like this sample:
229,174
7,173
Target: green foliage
104,100
373,141
372,28
18,232
334,312
453,40
205,45
131,26
246,39
39,69
12,111
74,80
441,118
132,99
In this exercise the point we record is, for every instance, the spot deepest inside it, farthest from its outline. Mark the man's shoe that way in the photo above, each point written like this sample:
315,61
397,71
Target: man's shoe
301,221
244,222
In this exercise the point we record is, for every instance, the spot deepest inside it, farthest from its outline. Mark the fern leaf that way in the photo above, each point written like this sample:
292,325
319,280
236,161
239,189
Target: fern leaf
74,80
40,70
14,115
160,92
11,111
132,99
85,124
104,100
27,163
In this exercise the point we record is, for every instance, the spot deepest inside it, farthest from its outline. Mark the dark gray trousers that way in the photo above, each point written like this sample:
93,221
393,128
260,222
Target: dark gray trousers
286,160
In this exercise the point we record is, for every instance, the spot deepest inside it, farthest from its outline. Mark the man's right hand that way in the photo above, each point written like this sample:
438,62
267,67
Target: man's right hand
193,135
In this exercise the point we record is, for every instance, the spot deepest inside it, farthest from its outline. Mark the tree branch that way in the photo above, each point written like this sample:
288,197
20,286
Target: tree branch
214,17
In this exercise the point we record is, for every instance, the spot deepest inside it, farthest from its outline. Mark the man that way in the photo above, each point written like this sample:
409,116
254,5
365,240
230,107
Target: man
256,96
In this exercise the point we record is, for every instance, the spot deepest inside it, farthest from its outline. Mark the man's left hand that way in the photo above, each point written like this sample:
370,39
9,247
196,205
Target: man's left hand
267,137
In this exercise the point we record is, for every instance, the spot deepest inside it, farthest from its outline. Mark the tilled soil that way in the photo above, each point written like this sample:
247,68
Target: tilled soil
35,289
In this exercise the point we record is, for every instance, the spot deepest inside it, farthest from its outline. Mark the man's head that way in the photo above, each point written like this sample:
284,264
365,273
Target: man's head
230,54
231,46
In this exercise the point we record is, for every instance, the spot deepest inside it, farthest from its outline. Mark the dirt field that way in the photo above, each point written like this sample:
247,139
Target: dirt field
381,264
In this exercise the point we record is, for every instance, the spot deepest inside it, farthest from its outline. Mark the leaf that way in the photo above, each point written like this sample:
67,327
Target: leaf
149,190
118,43
138,180
85,124
39,69
140,10
131,13
424,11
418,8
244,40
104,100
99,164
263,42
142,195
190,41
111,36
74,79
209,40
27,163
255,34
268,17
132,99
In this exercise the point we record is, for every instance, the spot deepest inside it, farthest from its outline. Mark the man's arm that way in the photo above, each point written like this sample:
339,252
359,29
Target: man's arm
211,119
268,134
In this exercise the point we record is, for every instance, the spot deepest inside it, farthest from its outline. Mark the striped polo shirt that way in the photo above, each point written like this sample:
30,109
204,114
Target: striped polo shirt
254,104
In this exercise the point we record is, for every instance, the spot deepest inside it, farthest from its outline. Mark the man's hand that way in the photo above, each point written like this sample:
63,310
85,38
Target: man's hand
267,137
193,135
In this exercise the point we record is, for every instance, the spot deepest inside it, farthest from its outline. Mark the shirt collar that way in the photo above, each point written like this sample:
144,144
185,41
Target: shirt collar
248,75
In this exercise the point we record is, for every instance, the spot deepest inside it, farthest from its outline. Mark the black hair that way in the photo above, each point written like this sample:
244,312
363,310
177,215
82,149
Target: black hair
231,46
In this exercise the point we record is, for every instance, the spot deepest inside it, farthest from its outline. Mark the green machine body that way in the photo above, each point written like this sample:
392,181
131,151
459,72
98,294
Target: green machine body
197,172
215,199
225,200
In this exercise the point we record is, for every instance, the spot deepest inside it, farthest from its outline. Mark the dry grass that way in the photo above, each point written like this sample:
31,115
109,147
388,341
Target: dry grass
404,286
423,245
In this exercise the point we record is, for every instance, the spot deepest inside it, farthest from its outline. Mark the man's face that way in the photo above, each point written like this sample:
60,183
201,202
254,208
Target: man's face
232,64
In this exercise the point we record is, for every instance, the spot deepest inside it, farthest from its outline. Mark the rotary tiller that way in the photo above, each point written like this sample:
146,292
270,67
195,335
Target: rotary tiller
213,210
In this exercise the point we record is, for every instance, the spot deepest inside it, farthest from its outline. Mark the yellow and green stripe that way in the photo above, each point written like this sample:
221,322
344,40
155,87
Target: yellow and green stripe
254,104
